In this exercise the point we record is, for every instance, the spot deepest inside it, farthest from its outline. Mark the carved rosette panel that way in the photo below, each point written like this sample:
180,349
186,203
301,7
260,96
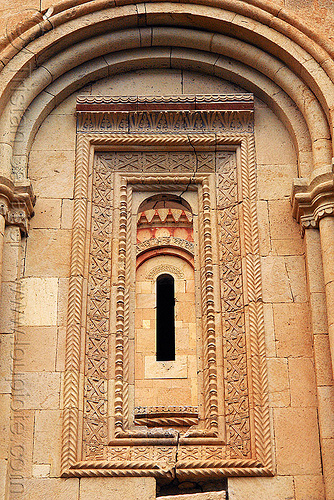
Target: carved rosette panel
233,437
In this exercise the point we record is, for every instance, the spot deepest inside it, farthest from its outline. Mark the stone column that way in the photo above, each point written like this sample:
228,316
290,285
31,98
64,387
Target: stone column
313,207
326,227
322,357
16,207
2,234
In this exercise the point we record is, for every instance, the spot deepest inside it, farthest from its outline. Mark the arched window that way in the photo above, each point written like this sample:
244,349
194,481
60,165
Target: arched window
165,318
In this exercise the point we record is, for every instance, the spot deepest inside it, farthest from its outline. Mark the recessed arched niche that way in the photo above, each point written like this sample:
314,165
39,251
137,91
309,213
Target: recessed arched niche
166,362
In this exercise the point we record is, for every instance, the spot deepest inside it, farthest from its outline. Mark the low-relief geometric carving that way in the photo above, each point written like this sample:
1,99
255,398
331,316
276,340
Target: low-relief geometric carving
222,435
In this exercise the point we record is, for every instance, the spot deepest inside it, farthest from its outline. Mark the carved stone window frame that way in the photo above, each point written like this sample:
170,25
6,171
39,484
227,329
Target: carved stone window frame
204,455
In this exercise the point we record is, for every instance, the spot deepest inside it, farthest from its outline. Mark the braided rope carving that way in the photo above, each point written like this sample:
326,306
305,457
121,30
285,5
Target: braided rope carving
166,421
72,359
189,468
256,319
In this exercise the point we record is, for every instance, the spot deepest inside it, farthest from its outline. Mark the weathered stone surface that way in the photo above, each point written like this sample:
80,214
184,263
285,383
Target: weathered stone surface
62,489
129,488
39,301
261,488
292,330
309,487
297,443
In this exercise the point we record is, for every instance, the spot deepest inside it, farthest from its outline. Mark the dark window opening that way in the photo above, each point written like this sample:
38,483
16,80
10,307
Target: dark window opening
165,318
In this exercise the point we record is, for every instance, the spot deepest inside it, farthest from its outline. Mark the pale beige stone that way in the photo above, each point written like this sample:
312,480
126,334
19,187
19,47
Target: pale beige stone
36,350
275,280
39,301
5,400
314,265
118,488
302,382
3,477
279,390
166,369
283,153
274,181
61,349
6,362
309,488
296,441
323,360
282,225
197,83
52,173
53,249
327,450
21,435
326,411
62,137
261,488
264,232
47,440
67,207
9,308
292,246
318,313
40,489
295,266
292,330
62,301
11,253
140,82
41,390
269,330
41,470
47,214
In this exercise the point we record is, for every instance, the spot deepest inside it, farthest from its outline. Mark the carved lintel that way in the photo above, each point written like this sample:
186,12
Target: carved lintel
230,112
311,201
16,203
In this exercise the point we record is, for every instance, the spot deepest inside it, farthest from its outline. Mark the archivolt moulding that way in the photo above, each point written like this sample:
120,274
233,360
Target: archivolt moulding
291,42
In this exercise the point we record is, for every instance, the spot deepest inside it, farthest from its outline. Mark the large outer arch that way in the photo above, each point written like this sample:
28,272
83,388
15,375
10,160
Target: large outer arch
258,37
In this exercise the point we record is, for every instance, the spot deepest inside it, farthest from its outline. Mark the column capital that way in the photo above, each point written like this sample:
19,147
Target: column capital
313,199
17,202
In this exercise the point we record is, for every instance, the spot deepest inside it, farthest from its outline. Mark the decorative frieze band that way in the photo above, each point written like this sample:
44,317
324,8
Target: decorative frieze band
188,113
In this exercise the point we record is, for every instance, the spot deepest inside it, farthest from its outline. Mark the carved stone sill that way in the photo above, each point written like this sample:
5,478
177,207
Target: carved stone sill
166,416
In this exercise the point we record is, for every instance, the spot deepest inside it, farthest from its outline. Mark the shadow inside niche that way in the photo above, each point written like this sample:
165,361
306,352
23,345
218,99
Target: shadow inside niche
188,487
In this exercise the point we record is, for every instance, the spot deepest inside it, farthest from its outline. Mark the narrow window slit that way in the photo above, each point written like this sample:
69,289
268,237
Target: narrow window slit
165,318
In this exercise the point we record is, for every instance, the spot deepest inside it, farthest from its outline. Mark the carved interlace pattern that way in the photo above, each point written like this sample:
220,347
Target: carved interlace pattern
165,241
98,305
163,161
237,417
207,456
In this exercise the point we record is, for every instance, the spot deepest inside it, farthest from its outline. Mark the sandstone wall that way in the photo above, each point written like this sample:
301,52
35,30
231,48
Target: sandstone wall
46,260
301,397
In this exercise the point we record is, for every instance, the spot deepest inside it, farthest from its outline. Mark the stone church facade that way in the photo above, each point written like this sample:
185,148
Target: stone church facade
167,231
